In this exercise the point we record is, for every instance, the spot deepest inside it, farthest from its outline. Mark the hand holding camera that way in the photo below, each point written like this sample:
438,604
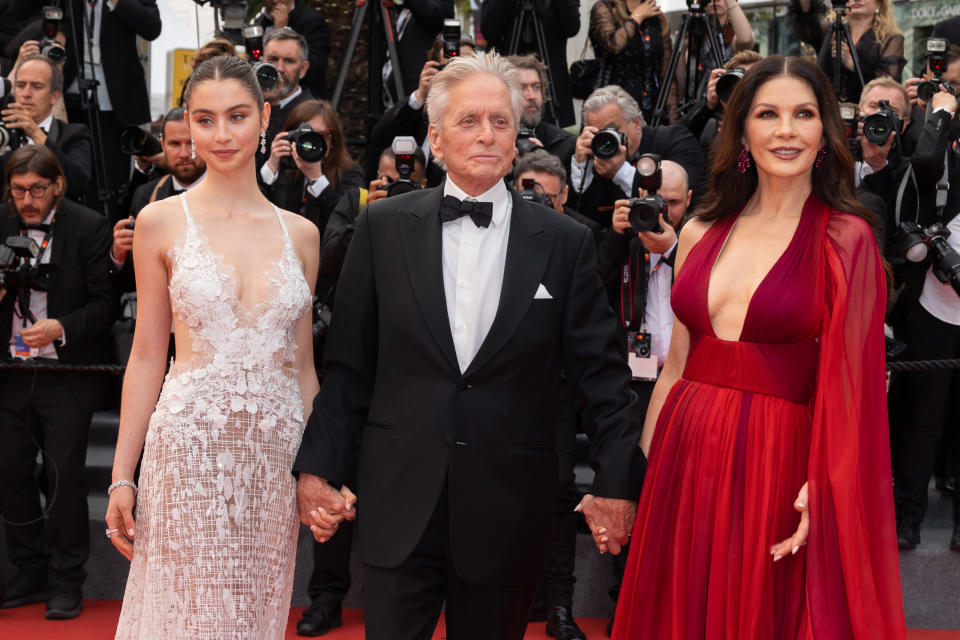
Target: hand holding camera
609,149
945,99
122,240
430,69
713,100
582,151
17,116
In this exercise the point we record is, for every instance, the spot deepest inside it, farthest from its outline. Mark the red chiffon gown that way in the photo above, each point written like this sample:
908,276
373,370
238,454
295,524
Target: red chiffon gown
800,397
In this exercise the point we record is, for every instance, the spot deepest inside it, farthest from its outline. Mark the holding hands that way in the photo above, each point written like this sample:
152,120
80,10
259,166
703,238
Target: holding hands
323,508
610,521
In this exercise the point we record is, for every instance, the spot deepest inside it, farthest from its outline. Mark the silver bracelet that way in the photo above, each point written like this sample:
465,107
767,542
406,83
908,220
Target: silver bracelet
121,483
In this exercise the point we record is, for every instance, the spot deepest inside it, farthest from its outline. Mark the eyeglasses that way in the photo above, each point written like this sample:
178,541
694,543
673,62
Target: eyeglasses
37,190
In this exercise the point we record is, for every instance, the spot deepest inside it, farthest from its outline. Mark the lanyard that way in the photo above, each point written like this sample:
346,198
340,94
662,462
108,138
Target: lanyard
45,242
630,279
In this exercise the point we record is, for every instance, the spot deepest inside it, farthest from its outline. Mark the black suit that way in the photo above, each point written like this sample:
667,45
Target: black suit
310,24
464,464
949,29
556,141
54,409
426,22
560,20
71,144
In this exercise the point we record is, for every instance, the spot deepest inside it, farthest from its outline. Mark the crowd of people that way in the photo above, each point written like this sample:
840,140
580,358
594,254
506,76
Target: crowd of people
673,290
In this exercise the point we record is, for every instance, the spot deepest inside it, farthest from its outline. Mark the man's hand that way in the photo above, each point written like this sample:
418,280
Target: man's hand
279,148
610,520
378,189
582,151
911,86
311,170
16,116
281,14
621,216
42,333
608,167
426,77
27,49
876,155
323,508
713,100
122,240
944,99
659,242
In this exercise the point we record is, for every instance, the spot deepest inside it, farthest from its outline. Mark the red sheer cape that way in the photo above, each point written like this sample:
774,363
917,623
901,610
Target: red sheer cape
853,571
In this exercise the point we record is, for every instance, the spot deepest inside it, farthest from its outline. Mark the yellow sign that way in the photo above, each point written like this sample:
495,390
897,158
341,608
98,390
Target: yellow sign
180,69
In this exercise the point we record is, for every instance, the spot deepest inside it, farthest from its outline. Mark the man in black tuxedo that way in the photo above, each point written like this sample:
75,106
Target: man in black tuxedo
37,86
599,182
50,411
312,26
443,374
560,20
419,22
105,33
186,171
286,50
533,81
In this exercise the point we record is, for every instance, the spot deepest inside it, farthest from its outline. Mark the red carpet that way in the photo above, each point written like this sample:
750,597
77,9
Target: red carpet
98,621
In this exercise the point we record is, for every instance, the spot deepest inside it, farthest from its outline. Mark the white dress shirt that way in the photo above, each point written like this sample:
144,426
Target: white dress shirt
473,260
659,314
38,299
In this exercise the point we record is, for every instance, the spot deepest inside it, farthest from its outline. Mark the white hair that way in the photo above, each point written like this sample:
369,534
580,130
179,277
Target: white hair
459,69
613,94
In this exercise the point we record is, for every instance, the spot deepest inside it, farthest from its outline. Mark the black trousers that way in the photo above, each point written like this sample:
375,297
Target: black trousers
405,603
116,164
922,399
644,390
38,410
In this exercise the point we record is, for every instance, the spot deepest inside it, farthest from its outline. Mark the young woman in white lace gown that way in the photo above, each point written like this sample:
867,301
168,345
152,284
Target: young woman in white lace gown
214,540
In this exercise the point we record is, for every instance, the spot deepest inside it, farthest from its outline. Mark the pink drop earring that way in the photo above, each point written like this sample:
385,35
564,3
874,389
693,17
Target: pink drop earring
743,160
820,156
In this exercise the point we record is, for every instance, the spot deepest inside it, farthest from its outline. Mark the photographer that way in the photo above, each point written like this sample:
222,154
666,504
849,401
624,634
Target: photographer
560,20
951,74
310,187
533,82
186,171
70,322
33,40
418,24
931,328
312,27
613,125
286,50
37,87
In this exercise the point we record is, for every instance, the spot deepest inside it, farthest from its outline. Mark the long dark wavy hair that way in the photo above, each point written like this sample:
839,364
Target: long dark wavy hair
728,190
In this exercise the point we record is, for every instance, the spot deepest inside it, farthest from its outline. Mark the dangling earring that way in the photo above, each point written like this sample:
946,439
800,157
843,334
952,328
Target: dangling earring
820,156
743,160
193,150
263,141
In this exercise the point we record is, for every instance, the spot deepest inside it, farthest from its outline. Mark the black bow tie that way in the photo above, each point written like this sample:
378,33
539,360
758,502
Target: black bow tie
452,208
40,226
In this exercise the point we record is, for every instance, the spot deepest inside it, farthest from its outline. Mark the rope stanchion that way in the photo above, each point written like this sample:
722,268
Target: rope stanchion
924,365
61,367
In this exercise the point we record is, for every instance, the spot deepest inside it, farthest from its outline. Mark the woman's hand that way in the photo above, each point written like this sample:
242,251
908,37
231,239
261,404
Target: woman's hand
279,148
120,519
646,9
791,545
311,170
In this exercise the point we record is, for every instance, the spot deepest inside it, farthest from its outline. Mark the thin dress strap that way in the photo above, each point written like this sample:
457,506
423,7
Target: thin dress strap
283,225
186,209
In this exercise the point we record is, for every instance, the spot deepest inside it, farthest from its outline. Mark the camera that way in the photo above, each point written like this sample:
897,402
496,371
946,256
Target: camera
52,17
310,145
451,38
404,151
916,243
936,50
877,127
16,272
11,138
528,191
523,140
267,74
727,82
134,141
849,115
607,142
645,212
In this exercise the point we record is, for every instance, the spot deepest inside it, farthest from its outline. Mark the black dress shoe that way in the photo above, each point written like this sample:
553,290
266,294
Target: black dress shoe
64,603
955,540
318,619
560,625
24,589
908,534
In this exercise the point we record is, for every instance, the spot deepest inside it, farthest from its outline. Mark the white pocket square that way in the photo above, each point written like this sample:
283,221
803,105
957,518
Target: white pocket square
542,293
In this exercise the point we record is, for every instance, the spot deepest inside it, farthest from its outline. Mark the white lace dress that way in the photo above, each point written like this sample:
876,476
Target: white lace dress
216,514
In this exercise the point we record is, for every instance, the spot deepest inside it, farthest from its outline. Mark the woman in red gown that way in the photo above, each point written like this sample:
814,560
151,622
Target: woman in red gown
767,509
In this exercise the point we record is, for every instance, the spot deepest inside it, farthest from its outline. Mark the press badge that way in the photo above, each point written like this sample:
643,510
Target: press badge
20,350
643,364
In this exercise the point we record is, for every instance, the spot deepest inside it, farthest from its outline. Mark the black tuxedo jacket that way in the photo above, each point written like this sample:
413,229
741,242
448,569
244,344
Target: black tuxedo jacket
394,389
71,143
949,29
311,24
81,295
557,141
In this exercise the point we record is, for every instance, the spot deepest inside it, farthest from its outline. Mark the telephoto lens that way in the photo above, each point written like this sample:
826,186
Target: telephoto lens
727,82
607,142
135,141
310,145
266,75
53,50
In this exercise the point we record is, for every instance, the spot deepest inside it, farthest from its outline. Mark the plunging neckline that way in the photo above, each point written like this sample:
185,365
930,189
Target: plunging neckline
753,295
226,271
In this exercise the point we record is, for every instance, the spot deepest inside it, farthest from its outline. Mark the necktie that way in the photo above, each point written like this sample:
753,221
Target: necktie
452,208
40,226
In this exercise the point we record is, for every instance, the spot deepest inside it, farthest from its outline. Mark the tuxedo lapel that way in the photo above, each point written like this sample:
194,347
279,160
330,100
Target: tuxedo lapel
420,236
528,250
61,231
54,132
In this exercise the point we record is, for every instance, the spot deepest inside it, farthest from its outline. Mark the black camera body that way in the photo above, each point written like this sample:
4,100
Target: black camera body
917,243
937,52
523,140
879,126
727,82
310,145
529,193
52,18
266,74
645,212
135,141
607,142
16,272
404,150
850,116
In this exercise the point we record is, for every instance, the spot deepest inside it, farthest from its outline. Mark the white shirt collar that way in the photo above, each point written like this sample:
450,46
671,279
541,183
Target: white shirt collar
179,186
285,101
45,124
498,195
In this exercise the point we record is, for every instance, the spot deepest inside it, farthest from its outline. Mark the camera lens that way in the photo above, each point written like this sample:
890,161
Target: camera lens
266,75
727,82
925,90
606,143
54,51
877,128
310,145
